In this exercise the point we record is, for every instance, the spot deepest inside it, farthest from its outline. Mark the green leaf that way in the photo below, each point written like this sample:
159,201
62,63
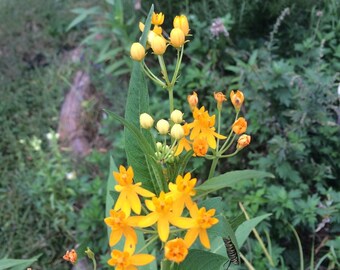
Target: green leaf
156,179
111,182
138,103
246,227
202,260
17,264
229,179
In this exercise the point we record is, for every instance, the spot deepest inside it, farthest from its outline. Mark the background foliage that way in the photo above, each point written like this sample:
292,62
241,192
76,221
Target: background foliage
283,54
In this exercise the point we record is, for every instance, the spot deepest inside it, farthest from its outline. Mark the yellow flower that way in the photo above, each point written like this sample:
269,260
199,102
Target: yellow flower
137,51
240,126
157,18
193,100
128,197
124,260
182,192
120,225
158,45
71,256
243,141
176,250
237,99
203,221
203,127
183,143
182,23
161,212
200,146
151,34
157,30
219,97
177,38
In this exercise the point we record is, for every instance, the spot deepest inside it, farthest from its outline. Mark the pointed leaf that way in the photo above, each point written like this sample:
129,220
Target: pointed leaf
229,179
246,227
17,263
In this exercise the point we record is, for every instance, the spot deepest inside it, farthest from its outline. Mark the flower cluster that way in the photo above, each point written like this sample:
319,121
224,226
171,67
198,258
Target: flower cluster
165,210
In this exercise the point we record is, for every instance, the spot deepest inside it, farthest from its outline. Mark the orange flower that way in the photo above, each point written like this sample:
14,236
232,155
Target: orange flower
203,126
240,126
243,141
237,99
161,212
182,23
182,192
203,221
183,143
177,38
128,197
193,100
200,146
176,250
124,260
219,97
71,256
157,18
120,225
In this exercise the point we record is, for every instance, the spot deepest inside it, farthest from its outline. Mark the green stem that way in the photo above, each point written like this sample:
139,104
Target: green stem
225,148
178,65
171,99
302,266
152,76
229,136
213,167
230,155
152,239
163,69
218,130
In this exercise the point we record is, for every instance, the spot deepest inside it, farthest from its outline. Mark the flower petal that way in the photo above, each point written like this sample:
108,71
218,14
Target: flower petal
149,204
182,222
191,236
115,237
204,238
134,202
143,192
141,259
163,228
148,220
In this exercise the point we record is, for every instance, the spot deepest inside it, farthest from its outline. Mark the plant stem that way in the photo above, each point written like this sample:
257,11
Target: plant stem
163,69
152,76
213,167
258,237
299,245
178,65
246,262
152,239
171,99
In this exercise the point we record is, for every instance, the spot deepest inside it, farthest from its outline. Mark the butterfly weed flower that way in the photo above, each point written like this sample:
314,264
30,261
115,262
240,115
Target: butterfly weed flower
240,126
203,220
181,192
183,143
220,98
176,250
146,121
137,51
157,18
177,132
71,256
176,116
243,141
128,198
177,38
120,225
200,146
237,99
181,22
158,45
193,100
126,260
161,212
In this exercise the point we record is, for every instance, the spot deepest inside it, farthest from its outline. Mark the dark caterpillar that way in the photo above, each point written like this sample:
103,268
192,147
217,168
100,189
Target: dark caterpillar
231,251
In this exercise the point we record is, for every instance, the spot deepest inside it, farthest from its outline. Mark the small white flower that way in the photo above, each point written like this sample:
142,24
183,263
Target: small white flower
71,175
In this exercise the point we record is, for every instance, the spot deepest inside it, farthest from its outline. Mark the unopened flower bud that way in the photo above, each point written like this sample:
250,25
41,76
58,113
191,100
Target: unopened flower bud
177,38
182,23
243,141
219,97
177,132
237,99
177,116
157,30
146,121
159,146
240,126
137,51
163,127
193,100
158,45
157,18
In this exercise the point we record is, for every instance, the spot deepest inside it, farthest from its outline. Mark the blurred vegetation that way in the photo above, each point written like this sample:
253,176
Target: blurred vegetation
283,54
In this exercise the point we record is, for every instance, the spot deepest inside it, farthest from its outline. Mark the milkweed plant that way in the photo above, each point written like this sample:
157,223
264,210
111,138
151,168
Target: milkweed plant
158,214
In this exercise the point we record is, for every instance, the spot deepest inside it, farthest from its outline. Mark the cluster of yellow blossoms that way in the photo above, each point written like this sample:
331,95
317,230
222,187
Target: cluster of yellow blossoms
165,210
157,41
200,134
